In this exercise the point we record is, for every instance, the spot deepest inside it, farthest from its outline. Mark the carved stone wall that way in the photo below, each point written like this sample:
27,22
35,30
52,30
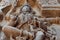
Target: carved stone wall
51,13
51,9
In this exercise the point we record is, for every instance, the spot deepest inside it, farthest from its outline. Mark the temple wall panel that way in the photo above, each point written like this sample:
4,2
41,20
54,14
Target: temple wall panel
51,13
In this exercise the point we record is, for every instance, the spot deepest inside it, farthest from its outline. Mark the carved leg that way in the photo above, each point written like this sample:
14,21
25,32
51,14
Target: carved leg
14,32
28,34
11,31
31,36
11,37
2,36
39,35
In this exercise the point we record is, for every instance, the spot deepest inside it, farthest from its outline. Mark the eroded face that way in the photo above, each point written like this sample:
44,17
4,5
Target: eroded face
26,8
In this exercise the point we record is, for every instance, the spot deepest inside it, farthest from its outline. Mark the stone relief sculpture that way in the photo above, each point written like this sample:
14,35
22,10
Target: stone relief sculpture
25,25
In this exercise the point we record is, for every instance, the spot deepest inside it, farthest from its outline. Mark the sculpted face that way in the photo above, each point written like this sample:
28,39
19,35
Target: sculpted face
26,8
